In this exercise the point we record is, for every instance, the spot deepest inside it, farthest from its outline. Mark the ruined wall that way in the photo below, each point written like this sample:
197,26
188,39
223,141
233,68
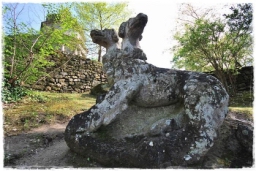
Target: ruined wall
71,74
77,74
244,78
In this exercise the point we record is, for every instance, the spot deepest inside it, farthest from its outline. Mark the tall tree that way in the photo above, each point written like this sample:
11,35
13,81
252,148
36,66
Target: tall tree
240,27
217,45
100,15
26,49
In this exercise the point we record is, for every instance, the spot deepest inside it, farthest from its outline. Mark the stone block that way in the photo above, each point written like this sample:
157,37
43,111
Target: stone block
61,80
76,80
48,88
63,73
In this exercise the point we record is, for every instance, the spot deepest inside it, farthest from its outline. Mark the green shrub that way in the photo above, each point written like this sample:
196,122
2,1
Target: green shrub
36,96
12,93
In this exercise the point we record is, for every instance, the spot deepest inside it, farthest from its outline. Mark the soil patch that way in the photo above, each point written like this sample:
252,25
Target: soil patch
42,147
45,147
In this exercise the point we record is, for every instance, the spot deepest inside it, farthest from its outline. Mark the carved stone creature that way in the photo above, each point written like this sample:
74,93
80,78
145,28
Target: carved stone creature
172,114
107,38
131,32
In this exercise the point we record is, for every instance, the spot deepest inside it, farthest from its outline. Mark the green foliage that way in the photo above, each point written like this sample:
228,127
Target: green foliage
35,96
39,108
26,49
12,93
222,46
240,27
241,17
200,46
64,28
99,15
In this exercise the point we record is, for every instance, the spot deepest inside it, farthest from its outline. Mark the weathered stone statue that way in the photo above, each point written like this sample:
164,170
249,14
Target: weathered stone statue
151,117
106,38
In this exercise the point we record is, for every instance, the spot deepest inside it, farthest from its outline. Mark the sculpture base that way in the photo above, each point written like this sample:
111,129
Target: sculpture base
139,137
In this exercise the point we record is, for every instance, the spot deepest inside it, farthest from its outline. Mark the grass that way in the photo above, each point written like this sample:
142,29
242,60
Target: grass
39,108
242,103
245,110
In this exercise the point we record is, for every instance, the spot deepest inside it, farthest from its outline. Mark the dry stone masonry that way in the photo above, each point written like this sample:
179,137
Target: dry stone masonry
71,74
243,77
151,117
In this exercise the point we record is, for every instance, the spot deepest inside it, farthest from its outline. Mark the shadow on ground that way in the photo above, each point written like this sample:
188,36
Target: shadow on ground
45,147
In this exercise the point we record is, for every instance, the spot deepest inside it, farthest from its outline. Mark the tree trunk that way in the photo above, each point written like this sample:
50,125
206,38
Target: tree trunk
99,54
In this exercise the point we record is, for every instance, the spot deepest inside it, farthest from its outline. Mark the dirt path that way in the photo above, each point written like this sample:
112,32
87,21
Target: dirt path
43,147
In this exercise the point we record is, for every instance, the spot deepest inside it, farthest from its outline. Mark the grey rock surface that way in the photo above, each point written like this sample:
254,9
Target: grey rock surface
151,117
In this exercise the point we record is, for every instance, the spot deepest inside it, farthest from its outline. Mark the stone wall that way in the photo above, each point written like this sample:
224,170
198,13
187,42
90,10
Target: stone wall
71,74
77,74
244,78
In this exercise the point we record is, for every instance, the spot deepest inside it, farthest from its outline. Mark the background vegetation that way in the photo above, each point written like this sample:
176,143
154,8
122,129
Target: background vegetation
26,49
38,108
205,42
100,16
212,43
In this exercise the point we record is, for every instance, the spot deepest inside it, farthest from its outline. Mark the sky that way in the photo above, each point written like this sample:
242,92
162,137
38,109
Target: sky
157,33
157,36
162,22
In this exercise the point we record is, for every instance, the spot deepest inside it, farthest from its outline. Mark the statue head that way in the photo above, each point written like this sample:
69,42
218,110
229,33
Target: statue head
133,28
105,38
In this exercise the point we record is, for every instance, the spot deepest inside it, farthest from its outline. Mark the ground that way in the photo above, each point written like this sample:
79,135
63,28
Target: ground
44,147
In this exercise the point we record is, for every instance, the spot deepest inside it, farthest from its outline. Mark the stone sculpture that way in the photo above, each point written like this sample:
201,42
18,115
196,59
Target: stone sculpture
106,38
151,117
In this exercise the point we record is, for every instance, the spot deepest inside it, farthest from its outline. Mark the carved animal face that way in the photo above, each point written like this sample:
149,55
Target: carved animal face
105,38
134,27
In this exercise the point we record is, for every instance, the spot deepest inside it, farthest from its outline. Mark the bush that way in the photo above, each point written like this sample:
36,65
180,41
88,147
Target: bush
36,96
12,93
